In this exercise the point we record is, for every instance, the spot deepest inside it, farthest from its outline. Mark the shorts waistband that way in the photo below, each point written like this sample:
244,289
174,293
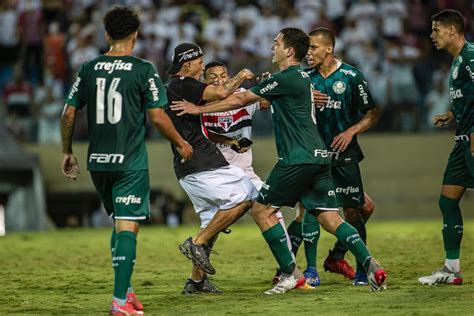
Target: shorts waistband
461,138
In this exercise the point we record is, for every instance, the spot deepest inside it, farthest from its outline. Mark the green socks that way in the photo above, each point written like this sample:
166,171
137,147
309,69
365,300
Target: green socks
349,237
276,238
123,259
452,226
296,235
310,234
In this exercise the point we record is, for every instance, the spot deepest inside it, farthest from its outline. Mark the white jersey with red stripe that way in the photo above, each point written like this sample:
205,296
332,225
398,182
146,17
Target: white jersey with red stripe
235,124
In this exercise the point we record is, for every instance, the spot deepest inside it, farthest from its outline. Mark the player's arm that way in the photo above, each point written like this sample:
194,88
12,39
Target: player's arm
221,139
224,90
69,165
232,102
163,124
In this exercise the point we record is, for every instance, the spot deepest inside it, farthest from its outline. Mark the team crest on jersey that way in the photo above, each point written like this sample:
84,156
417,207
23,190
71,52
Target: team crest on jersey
339,87
225,122
455,72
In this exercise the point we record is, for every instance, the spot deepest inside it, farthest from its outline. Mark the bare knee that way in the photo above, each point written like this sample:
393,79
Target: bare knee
299,209
329,221
125,225
351,214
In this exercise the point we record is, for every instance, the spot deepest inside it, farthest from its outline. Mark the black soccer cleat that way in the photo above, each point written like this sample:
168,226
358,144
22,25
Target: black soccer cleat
201,287
199,254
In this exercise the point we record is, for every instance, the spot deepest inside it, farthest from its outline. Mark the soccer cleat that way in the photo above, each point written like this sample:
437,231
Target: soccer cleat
276,278
201,287
312,277
376,276
442,276
360,279
125,310
199,254
288,282
133,299
338,266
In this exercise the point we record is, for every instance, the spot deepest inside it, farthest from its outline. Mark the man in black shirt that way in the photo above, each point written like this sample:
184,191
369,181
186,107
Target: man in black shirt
220,193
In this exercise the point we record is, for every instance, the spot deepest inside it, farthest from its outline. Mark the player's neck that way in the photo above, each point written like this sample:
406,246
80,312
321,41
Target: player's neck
328,66
120,49
288,63
455,48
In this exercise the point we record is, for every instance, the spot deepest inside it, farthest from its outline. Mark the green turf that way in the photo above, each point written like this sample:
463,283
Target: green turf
69,272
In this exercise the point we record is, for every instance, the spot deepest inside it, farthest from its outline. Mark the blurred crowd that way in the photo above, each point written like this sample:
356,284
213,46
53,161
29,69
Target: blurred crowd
43,43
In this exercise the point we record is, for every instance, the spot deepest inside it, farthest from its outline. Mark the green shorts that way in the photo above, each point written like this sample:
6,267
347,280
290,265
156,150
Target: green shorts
125,194
348,183
460,168
309,183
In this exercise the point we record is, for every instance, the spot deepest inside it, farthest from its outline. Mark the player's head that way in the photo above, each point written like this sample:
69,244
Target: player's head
446,26
121,23
215,73
290,43
187,60
321,46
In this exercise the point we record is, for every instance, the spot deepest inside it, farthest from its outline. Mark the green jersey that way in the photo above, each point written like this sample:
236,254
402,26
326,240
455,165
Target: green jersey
349,98
294,122
117,92
461,91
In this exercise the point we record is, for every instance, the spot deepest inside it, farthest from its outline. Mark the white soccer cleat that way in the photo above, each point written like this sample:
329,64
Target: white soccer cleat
288,282
442,276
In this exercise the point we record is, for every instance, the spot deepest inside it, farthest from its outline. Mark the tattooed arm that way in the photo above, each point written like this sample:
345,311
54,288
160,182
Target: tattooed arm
69,165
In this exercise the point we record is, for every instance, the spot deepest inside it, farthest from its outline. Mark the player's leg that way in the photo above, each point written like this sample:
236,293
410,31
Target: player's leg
311,232
227,189
321,201
458,176
273,194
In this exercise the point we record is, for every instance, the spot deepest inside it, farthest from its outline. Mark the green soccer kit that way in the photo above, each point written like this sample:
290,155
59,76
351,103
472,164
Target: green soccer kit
117,92
349,98
460,167
303,167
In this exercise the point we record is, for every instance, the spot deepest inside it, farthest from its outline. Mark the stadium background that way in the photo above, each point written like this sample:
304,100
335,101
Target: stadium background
43,43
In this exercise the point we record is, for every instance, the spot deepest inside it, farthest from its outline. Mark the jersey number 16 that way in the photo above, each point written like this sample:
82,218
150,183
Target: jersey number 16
114,102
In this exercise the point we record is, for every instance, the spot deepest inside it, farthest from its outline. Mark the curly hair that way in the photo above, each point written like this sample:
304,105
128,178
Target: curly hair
120,22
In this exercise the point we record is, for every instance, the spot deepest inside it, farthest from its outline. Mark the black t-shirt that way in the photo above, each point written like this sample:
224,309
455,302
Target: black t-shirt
206,156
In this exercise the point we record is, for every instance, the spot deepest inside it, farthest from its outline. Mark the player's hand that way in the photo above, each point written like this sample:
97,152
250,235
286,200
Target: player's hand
184,107
442,119
185,151
247,74
341,141
319,98
70,166
243,149
263,76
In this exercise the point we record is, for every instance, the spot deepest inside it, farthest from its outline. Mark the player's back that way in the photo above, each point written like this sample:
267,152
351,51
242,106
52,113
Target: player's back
114,90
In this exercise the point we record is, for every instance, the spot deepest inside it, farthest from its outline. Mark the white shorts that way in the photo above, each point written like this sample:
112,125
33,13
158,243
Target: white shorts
219,189
244,162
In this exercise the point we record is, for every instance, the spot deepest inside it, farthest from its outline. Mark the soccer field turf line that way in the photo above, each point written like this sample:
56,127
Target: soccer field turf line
69,272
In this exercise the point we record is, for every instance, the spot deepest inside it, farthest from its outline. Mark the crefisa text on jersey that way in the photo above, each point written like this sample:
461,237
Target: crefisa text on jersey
118,64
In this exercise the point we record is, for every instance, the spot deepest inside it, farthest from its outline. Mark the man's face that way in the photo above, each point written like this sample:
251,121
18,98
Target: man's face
278,49
216,75
319,50
441,34
196,67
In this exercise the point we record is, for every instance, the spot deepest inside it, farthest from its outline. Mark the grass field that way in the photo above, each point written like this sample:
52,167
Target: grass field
69,272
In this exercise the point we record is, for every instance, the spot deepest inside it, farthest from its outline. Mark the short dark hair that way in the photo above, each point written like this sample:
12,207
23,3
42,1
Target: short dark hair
296,39
120,22
326,33
450,17
214,63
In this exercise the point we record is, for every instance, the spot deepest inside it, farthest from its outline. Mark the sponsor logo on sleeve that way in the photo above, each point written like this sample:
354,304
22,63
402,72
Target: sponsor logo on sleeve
75,87
154,89
455,72
269,87
455,94
363,94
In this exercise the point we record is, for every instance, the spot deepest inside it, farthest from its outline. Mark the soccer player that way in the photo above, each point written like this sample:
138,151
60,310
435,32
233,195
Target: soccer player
220,193
118,89
448,34
345,108
303,168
